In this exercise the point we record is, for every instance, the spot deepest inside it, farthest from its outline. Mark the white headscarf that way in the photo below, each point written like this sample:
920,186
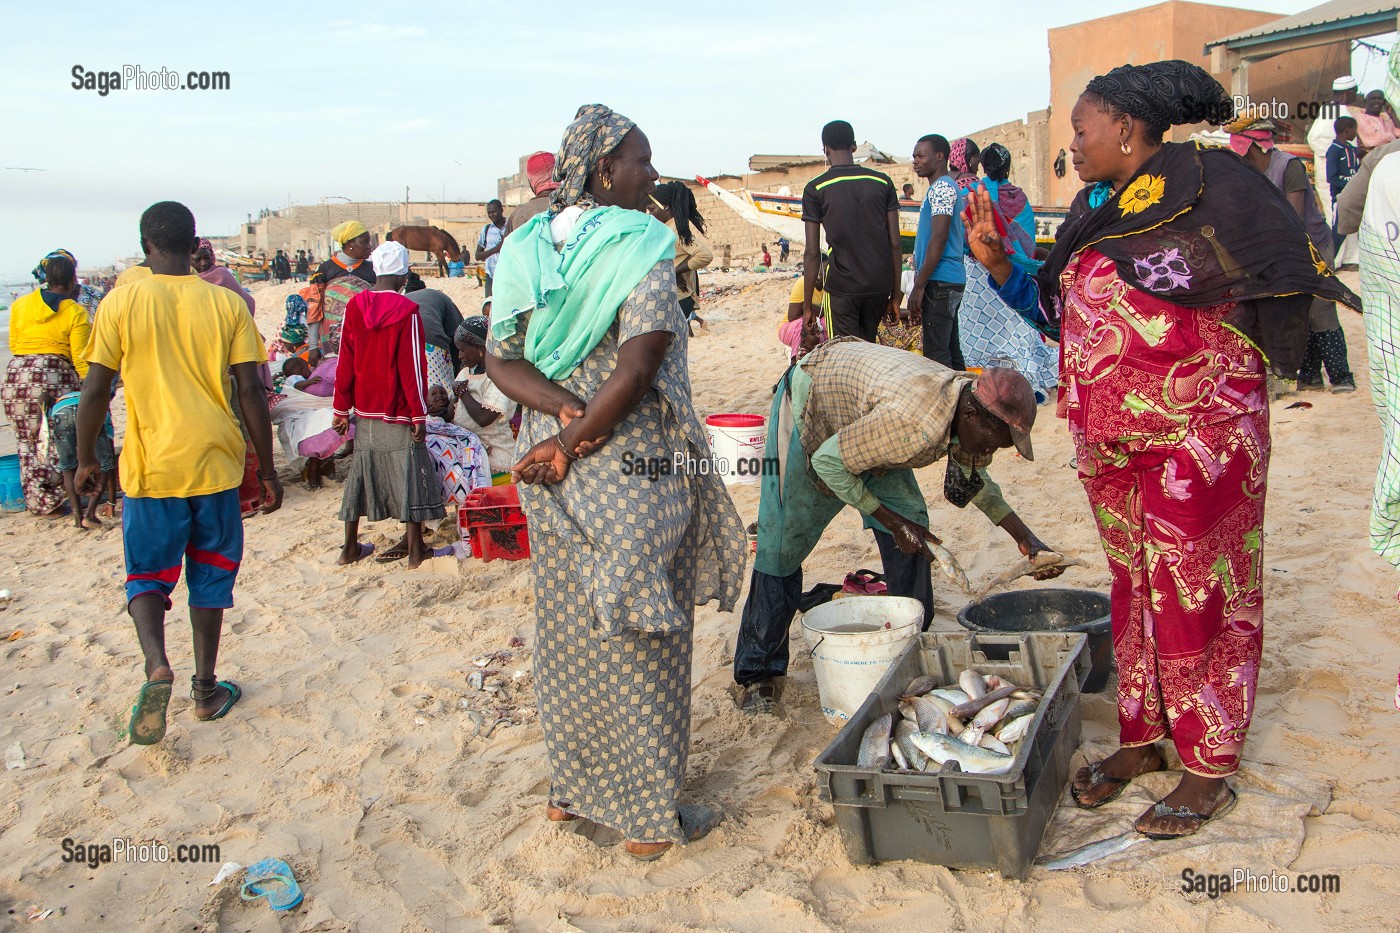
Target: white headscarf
390,258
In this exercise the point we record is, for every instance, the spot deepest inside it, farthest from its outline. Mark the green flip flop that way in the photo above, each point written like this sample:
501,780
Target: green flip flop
147,726
235,694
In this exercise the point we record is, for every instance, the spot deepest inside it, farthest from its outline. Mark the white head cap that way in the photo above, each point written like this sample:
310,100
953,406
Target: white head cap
1344,83
389,258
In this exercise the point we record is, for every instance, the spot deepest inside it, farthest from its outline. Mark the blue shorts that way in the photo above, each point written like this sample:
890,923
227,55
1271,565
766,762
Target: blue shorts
63,433
206,531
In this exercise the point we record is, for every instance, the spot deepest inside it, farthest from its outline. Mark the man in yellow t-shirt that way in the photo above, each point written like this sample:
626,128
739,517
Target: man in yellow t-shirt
175,337
132,274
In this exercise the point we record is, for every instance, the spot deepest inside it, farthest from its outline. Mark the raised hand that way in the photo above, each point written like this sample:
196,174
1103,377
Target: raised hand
982,238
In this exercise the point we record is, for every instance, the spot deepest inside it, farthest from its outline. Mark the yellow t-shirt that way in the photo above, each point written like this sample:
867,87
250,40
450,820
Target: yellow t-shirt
132,274
35,328
798,287
174,337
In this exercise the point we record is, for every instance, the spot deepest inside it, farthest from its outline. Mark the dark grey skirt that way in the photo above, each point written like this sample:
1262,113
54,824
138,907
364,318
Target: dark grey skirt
391,476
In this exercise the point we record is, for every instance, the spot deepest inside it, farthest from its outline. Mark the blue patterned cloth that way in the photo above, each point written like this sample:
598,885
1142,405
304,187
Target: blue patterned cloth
989,330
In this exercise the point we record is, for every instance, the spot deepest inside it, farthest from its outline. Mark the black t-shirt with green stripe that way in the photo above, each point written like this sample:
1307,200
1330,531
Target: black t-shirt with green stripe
852,203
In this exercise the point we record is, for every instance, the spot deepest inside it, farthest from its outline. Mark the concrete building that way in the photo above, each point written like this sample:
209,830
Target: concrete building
1175,29
308,226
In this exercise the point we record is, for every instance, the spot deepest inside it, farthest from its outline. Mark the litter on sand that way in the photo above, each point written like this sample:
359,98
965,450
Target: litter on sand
226,871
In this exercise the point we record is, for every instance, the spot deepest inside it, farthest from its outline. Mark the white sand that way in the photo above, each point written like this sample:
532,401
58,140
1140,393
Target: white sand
354,680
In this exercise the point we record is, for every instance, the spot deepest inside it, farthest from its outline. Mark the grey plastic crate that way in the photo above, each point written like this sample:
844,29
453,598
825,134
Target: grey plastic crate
951,817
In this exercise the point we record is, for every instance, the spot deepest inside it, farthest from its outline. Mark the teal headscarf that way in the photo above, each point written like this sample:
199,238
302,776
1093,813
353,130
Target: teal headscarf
572,295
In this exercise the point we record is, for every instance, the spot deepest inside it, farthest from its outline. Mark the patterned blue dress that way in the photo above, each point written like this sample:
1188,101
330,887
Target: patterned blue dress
621,560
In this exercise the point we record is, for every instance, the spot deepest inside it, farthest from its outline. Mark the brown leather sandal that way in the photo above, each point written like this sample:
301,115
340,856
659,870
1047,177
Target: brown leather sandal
557,814
1224,803
1095,777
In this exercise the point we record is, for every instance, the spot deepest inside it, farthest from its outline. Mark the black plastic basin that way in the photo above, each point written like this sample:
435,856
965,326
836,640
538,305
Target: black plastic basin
1050,609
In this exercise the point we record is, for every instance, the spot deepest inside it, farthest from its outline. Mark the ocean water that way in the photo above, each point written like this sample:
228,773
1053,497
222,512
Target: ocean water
11,287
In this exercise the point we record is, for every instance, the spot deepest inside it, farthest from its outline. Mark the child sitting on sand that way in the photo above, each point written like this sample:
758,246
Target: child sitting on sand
63,436
320,381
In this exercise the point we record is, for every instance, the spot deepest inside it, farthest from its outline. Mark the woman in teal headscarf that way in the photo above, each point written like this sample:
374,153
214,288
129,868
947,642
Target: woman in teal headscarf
588,336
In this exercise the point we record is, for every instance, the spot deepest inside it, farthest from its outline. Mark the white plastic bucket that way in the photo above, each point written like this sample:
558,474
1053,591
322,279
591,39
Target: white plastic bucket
853,641
736,444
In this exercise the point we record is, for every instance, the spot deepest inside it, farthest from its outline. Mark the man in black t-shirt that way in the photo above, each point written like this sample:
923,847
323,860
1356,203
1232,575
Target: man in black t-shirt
859,210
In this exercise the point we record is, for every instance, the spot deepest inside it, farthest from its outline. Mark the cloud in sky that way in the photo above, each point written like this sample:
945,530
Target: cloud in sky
443,99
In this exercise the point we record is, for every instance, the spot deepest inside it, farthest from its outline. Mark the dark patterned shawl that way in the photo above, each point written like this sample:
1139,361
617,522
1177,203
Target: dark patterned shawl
1197,227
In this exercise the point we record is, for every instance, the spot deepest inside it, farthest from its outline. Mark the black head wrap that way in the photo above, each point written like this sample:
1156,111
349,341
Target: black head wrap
996,162
472,331
1165,94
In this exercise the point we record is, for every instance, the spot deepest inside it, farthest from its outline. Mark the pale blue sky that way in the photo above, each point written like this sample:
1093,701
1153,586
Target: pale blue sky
370,98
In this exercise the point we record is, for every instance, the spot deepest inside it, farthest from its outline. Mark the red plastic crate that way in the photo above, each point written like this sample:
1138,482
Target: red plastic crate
493,505
508,542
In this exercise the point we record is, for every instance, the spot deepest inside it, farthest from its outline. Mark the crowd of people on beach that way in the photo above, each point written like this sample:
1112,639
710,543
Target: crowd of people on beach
1161,322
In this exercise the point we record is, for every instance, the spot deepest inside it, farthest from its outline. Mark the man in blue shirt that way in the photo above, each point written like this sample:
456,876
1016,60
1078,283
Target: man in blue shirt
938,255
488,244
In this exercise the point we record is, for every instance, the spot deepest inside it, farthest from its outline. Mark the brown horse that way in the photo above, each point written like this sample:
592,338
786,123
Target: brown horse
430,240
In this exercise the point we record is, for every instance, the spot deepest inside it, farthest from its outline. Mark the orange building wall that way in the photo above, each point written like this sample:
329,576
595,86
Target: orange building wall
1175,29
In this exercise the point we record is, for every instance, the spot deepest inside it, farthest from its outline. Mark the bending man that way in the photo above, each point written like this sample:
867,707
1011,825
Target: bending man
849,425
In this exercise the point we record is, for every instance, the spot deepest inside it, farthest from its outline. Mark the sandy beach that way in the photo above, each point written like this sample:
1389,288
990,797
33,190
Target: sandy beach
358,753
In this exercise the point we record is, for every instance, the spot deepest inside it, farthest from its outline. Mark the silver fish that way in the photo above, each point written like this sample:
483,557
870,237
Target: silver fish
991,714
971,758
1026,567
974,706
984,721
928,717
952,694
1095,851
972,684
945,706
1022,708
875,744
951,568
952,724
1015,729
991,743
900,761
903,734
919,686
972,735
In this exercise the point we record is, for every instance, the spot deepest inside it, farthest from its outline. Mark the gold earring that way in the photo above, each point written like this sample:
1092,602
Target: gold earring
1127,150
607,182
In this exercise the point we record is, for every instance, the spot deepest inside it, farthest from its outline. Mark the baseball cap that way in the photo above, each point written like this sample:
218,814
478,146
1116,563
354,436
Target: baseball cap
1008,395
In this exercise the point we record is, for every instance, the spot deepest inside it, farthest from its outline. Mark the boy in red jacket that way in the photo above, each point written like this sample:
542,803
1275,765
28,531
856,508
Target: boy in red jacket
383,377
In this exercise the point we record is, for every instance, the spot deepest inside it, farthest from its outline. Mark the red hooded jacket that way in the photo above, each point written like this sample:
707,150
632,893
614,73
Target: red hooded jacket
382,373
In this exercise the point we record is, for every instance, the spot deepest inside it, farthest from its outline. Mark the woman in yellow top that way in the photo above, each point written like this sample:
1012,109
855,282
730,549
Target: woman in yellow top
48,333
